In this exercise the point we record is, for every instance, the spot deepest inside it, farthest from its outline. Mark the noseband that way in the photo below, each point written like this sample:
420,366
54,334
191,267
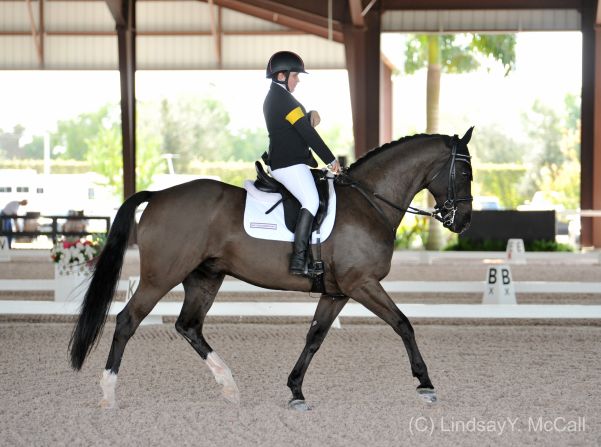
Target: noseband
444,214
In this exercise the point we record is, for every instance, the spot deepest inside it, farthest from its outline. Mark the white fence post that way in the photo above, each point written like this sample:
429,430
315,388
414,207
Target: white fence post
515,252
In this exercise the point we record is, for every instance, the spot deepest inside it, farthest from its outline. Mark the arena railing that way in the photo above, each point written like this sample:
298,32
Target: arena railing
56,228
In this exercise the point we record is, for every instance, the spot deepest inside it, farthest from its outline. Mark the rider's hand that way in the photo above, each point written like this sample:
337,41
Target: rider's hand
315,118
334,167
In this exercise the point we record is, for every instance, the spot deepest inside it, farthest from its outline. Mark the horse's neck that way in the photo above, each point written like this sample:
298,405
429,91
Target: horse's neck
398,174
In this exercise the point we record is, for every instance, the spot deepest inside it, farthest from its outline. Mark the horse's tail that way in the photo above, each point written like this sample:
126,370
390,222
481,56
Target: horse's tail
103,283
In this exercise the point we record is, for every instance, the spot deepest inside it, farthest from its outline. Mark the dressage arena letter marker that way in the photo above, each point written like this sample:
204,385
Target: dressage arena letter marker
499,287
132,285
515,252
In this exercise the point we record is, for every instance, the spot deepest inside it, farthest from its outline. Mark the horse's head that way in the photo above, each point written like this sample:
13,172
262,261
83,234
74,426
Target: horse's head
451,186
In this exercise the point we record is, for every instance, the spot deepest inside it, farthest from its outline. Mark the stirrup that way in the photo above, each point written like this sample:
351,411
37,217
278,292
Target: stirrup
316,269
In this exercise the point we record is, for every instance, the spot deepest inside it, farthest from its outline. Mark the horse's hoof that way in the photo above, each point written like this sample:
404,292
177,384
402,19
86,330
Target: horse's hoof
299,405
231,394
107,404
428,395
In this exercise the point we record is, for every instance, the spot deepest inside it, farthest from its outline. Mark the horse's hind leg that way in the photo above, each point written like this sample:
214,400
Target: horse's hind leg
327,310
201,287
128,320
373,296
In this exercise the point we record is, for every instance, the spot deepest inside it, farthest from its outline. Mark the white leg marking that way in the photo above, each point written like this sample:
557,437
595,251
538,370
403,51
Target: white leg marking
108,383
223,376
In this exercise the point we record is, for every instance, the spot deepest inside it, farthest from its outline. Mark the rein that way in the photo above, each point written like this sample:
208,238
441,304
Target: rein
444,214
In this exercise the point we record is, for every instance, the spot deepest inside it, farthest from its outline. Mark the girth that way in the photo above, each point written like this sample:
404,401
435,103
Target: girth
266,183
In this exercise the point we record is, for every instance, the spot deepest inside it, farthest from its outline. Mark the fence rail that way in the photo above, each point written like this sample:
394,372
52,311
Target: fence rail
307,309
353,310
38,285
54,231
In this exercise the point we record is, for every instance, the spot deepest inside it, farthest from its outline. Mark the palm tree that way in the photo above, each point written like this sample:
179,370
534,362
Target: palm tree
444,52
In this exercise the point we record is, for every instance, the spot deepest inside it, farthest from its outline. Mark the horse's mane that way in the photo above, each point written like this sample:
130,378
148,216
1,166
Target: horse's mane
375,151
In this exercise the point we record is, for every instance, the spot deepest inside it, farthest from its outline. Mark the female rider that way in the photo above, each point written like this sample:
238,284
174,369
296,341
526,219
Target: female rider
291,133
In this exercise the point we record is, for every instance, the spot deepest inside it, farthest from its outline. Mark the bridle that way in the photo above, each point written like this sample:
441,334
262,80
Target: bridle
444,213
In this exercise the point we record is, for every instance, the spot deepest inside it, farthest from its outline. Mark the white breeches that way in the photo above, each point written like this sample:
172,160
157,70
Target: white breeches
299,181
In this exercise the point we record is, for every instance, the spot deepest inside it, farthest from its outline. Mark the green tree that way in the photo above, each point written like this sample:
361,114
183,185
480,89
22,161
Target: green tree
451,54
105,157
34,149
554,159
572,119
75,133
249,144
494,146
191,128
171,136
148,160
339,140
546,154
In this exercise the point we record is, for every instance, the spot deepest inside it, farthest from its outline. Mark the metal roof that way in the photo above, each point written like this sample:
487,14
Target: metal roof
179,34
480,20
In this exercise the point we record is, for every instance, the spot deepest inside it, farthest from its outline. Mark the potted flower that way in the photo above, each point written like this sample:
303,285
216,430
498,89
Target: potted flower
73,261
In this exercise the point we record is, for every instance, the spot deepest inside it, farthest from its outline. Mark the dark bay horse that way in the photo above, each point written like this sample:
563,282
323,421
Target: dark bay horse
193,234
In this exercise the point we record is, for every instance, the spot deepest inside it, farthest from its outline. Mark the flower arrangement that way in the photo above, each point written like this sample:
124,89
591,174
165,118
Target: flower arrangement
76,256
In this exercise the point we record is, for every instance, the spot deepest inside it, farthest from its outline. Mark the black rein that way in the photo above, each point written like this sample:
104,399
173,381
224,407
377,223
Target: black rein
449,207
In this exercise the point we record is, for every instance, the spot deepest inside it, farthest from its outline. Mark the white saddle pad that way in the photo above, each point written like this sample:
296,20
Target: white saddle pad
272,226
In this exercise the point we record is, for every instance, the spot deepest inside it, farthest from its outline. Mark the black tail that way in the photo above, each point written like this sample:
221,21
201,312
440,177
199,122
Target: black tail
104,281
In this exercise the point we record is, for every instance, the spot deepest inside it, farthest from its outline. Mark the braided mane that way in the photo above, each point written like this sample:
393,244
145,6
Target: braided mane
377,150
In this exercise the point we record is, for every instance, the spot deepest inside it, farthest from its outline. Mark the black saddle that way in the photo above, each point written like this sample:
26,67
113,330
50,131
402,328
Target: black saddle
266,183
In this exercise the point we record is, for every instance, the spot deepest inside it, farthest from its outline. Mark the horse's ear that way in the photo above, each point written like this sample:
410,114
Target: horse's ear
468,136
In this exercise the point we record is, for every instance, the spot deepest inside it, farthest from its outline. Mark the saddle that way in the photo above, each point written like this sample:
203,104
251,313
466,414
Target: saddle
266,183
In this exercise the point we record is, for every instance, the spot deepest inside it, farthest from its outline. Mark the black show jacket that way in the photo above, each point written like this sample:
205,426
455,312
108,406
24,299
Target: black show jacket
290,131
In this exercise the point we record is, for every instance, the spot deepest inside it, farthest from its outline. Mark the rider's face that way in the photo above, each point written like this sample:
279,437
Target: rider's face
293,80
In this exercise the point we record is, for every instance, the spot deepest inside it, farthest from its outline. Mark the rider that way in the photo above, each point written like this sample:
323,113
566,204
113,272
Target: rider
291,133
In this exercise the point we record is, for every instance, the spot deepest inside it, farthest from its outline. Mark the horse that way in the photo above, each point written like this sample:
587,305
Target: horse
193,234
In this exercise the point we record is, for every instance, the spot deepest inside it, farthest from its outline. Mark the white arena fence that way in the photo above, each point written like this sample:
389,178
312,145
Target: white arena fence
286,308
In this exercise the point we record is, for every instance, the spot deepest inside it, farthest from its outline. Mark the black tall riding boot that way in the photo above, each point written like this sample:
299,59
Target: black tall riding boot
301,242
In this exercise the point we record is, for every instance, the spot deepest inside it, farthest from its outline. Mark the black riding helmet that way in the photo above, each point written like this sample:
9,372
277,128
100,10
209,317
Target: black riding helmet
284,61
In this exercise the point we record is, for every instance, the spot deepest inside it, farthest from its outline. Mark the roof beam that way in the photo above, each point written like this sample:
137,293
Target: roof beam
216,32
285,15
116,8
37,39
355,10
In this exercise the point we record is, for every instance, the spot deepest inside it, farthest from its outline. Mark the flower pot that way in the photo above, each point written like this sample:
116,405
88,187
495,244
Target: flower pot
70,283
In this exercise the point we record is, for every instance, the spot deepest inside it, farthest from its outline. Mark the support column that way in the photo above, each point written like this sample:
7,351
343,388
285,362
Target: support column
590,175
596,187
362,48
386,109
126,35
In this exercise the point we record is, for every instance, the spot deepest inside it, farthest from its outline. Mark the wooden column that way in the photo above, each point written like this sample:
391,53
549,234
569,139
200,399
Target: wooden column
127,71
596,174
590,174
362,48
386,110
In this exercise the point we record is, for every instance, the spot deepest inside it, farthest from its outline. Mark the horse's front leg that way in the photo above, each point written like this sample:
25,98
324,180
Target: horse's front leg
373,296
327,310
